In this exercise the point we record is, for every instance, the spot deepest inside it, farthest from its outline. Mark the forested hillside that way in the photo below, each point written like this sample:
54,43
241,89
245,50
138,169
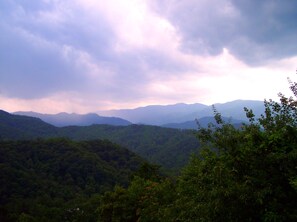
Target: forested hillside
56,179
23,127
169,148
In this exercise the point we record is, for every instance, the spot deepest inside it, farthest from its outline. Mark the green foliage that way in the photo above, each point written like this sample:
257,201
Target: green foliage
144,200
246,174
58,179
169,148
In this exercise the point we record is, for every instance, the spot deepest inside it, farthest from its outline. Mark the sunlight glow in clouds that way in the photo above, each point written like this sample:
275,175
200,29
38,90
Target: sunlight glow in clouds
88,55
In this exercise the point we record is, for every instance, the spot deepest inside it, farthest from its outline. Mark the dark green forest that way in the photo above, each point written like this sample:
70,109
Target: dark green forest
49,180
169,148
246,173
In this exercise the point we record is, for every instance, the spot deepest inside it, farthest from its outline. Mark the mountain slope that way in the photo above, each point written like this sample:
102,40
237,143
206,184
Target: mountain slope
66,119
46,179
169,148
233,109
24,127
179,113
156,114
202,122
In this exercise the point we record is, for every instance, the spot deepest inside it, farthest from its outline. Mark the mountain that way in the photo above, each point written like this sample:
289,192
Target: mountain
180,113
152,115
66,119
156,114
169,148
24,127
203,122
234,109
55,179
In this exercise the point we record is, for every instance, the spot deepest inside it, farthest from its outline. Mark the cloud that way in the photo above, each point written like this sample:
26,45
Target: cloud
38,58
33,67
98,54
254,31
75,45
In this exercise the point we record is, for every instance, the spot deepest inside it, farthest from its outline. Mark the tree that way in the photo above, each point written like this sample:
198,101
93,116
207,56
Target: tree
247,174
148,198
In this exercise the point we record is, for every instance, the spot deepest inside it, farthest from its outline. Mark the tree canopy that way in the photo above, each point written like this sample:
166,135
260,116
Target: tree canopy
59,179
241,174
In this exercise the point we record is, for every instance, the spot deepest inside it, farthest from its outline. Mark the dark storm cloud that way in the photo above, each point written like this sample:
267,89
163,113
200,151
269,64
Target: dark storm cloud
254,31
270,28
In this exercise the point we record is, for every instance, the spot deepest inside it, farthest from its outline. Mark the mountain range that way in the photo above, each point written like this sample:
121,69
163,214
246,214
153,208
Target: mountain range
170,148
179,115
73,119
202,122
182,113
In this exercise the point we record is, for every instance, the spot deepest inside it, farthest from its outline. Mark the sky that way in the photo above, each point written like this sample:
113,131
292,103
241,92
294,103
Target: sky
89,55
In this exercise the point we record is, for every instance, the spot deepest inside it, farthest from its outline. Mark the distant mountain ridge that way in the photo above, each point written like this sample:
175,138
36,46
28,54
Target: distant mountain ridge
156,114
66,119
181,112
202,122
